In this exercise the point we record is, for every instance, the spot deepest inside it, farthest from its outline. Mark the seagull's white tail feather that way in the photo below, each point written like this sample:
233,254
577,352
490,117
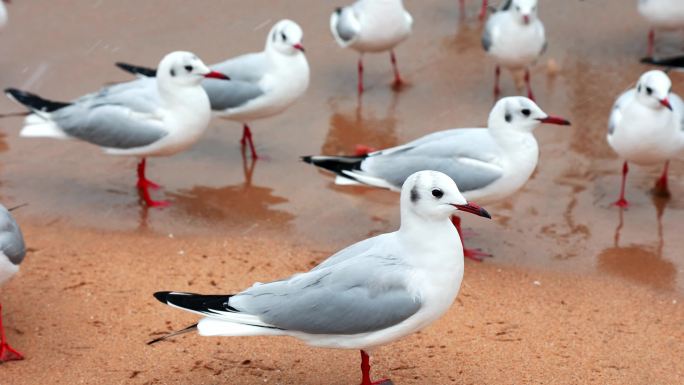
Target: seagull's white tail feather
369,180
215,327
343,181
41,126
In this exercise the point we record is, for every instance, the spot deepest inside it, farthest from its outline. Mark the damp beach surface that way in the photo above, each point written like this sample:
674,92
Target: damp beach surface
577,291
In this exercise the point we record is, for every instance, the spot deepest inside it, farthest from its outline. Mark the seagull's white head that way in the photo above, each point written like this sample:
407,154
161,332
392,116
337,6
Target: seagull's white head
653,90
525,11
286,38
181,68
434,196
521,114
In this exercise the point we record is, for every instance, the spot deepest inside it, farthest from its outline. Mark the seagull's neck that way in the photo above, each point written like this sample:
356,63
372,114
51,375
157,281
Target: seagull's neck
436,239
180,97
511,140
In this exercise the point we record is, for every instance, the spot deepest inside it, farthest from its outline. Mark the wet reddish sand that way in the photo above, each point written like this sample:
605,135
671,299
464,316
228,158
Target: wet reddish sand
609,305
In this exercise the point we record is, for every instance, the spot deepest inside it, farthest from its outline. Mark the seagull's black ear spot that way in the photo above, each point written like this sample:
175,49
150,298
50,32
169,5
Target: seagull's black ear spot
437,193
275,36
526,111
508,117
639,88
172,72
415,196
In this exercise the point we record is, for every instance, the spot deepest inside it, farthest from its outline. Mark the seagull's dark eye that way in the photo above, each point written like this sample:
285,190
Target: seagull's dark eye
437,193
526,112
188,68
283,36
649,90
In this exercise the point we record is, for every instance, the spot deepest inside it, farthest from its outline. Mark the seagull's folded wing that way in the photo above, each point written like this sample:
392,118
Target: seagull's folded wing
11,239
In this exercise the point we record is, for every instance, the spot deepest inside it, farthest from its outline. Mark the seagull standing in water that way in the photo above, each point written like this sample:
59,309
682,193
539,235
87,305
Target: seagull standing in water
646,127
662,15
488,164
368,295
372,26
515,37
263,84
142,118
12,253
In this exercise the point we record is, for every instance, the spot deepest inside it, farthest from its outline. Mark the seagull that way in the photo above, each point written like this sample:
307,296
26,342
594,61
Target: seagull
263,84
3,13
646,127
142,118
372,26
662,15
367,295
488,164
12,253
483,10
514,36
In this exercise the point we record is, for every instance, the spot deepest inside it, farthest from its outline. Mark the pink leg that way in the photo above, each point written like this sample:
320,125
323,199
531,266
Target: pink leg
474,254
661,187
527,83
622,202
247,139
6,351
462,7
651,43
365,372
360,85
397,78
483,11
497,78
145,185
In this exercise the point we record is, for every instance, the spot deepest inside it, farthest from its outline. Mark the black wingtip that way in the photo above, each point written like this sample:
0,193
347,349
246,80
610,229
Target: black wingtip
162,296
307,159
137,70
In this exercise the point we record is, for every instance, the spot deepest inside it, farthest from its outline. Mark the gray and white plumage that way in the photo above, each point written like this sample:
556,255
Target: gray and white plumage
367,295
12,247
663,14
146,117
488,164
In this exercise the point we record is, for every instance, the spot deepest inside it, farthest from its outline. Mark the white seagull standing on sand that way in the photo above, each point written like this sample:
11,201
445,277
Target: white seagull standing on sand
514,36
142,118
488,164
372,26
662,15
12,253
646,127
263,84
365,296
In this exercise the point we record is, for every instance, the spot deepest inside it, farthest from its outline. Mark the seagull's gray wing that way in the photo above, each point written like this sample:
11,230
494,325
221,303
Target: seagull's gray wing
361,294
506,5
121,116
11,239
678,106
345,25
235,93
487,37
469,156
616,112
249,68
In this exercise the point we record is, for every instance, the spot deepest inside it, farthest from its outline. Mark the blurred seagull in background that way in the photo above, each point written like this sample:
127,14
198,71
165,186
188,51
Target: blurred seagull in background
646,127
661,15
372,26
3,13
368,295
149,117
12,253
488,164
514,36
263,84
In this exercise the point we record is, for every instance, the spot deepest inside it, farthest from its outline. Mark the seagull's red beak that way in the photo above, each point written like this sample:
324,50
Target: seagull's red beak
299,46
472,208
216,75
666,103
555,120
526,19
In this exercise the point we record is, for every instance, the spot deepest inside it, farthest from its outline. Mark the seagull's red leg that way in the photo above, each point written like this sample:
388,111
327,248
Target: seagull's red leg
483,11
397,78
360,66
365,372
497,77
661,184
651,43
527,83
145,185
474,254
6,351
462,7
247,139
622,202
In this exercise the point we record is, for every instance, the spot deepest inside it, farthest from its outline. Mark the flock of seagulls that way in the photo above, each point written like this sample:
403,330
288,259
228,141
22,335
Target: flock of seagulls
389,286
